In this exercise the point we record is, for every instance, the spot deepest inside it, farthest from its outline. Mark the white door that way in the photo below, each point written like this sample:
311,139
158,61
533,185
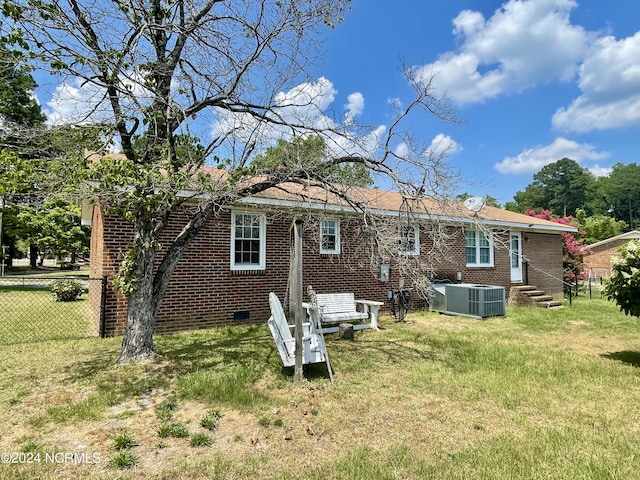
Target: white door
516,256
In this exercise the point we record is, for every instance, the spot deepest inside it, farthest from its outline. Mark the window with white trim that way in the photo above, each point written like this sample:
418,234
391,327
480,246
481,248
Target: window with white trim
479,249
248,241
409,240
330,236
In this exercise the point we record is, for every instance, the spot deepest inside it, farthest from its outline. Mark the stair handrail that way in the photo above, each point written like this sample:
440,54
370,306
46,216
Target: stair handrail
561,280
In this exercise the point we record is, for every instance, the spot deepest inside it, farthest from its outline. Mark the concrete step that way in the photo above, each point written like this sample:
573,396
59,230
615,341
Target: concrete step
533,293
541,298
524,288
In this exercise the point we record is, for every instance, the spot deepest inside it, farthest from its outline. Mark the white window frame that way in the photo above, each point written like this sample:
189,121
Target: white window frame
415,250
336,249
262,238
478,247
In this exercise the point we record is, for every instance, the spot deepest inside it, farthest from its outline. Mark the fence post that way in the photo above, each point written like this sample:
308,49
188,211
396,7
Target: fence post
103,307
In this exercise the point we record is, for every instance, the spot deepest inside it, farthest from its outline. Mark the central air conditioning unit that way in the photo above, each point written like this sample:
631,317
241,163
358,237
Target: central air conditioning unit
478,301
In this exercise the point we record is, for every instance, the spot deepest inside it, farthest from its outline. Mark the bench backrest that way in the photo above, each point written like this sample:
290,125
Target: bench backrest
279,319
337,302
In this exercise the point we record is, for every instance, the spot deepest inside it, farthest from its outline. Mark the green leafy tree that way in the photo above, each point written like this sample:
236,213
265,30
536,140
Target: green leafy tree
54,228
621,190
489,200
18,104
161,69
599,227
562,186
624,285
309,152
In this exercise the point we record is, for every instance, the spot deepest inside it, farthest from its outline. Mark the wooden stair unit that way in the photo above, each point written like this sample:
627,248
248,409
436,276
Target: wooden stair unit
520,295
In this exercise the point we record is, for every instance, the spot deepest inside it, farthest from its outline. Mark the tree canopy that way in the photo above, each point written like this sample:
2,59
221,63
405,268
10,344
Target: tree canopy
309,152
562,186
621,191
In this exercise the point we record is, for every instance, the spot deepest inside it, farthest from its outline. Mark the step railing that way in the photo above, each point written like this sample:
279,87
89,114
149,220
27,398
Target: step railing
564,283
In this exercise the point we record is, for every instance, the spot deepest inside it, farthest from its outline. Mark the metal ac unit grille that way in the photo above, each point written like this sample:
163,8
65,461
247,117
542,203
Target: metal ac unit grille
479,301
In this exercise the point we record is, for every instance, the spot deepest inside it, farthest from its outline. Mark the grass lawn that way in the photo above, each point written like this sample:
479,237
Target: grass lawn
538,394
30,314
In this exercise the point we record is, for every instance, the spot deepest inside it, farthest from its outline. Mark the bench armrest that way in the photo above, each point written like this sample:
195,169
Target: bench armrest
371,303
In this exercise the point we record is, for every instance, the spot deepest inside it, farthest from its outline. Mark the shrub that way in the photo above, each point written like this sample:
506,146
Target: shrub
66,290
624,284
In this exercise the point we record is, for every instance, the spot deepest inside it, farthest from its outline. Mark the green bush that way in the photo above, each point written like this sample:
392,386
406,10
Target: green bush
624,284
66,290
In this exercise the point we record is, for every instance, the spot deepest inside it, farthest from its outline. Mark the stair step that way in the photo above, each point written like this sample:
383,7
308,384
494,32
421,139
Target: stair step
541,298
533,293
524,288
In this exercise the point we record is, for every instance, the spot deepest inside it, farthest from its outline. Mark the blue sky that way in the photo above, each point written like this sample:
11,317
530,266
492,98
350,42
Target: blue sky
533,80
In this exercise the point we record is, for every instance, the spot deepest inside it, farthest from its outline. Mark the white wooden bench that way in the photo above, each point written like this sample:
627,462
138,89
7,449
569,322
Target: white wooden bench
313,347
336,308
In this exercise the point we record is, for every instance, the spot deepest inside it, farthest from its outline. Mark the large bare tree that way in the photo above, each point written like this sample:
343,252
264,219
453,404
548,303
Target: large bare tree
233,74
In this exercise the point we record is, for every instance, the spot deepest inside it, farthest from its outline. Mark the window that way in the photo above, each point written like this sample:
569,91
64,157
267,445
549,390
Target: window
330,237
479,249
248,241
409,240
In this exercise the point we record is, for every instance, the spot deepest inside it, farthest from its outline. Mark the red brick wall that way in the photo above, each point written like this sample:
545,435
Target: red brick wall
543,251
600,258
205,293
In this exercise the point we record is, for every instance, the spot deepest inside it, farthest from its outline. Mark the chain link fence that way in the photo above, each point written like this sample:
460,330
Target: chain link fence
30,313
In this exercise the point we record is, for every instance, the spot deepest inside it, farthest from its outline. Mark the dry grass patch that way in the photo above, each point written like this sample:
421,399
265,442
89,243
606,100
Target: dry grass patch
536,394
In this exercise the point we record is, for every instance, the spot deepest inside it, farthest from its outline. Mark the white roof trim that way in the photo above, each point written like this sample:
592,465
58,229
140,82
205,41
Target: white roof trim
632,235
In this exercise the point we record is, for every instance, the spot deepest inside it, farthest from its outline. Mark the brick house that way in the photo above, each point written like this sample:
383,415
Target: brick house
226,274
598,260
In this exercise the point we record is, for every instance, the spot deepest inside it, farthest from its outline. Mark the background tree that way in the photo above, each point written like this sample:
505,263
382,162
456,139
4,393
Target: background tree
562,186
492,201
599,227
160,69
621,190
309,152
624,285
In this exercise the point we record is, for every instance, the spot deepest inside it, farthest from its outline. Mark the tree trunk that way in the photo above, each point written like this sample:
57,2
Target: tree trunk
33,255
137,343
151,283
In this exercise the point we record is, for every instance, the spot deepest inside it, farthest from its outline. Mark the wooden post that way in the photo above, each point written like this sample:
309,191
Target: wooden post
295,277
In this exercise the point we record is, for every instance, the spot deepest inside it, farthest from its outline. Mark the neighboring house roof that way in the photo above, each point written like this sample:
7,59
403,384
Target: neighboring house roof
632,235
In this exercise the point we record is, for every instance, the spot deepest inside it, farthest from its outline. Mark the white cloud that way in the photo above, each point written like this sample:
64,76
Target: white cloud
354,107
610,84
533,159
305,105
599,171
76,101
442,145
523,44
